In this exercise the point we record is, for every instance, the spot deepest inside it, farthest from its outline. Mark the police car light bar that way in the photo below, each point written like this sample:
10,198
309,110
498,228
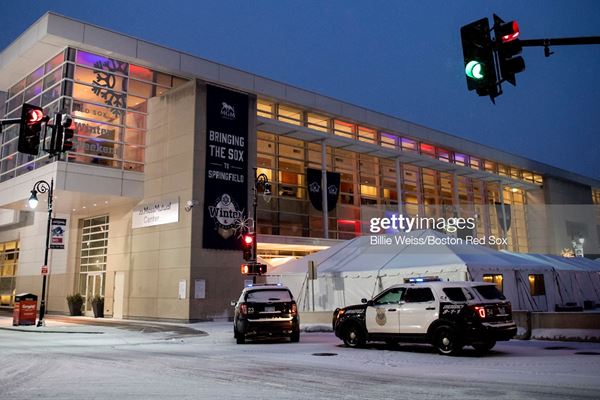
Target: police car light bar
422,279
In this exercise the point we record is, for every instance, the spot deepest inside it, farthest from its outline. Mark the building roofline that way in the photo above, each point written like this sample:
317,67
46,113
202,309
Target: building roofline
52,32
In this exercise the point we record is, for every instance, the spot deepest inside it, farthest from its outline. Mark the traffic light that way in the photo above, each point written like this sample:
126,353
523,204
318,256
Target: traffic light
32,118
478,53
247,246
67,142
254,269
62,134
509,46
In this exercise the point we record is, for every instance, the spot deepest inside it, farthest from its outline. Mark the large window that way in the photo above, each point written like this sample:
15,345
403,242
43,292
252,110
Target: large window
92,258
107,99
9,257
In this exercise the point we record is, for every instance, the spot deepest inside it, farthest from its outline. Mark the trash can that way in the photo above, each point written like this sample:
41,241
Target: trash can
25,309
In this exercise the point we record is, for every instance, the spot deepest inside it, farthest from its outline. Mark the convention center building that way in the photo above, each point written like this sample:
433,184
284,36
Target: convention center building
149,204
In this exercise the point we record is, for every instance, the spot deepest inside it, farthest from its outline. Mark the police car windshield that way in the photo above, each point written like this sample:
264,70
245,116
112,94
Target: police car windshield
489,292
269,295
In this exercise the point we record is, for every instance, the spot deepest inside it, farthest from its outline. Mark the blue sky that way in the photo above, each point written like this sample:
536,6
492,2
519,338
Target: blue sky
403,58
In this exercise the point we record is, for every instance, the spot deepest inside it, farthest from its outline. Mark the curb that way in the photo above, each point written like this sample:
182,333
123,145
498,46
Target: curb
47,331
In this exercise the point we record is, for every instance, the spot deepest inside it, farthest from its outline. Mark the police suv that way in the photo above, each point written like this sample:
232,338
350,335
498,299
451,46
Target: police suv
449,315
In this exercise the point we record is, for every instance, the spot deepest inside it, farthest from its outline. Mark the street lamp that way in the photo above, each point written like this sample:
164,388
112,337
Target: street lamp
43,187
259,181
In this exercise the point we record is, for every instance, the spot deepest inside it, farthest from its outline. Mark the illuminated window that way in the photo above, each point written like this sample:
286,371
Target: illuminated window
514,173
317,122
538,179
265,108
496,279
489,166
344,129
55,62
9,257
443,155
136,71
536,285
388,140
366,134
502,170
528,176
427,150
367,190
408,144
461,159
475,163
290,115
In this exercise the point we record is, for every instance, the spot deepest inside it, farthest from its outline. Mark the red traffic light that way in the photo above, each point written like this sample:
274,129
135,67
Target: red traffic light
34,116
248,240
510,32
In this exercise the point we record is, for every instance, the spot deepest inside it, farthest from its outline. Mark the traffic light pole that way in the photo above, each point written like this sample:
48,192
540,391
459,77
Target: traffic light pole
546,43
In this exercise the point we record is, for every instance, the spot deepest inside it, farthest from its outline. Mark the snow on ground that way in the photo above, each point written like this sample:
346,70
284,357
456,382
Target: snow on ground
125,364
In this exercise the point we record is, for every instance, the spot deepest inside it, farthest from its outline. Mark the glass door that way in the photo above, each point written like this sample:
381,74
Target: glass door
94,287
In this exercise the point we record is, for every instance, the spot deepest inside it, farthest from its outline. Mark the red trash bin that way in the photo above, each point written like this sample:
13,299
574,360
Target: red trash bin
25,309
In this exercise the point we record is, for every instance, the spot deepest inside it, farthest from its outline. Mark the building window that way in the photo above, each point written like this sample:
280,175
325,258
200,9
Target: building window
9,257
317,122
104,96
497,279
265,108
536,285
92,258
344,129
290,115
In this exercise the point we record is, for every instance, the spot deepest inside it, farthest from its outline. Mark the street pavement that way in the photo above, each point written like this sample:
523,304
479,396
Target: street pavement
95,359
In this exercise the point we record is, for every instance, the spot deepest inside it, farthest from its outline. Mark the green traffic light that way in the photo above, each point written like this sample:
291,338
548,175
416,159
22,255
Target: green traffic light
474,69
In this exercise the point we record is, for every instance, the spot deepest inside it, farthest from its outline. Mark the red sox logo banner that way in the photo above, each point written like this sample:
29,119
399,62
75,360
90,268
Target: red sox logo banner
314,188
226,177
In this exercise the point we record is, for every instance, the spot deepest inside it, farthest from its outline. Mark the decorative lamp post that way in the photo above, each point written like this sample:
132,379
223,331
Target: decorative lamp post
260,181
43,187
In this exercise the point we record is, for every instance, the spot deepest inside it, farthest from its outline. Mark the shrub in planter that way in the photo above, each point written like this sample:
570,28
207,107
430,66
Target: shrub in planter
75,302
98,306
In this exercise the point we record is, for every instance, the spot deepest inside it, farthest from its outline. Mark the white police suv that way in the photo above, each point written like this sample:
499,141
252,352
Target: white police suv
449,315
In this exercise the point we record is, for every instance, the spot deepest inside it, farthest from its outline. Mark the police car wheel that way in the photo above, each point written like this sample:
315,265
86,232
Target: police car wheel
353,336
446,342
295,337
484,347
240,338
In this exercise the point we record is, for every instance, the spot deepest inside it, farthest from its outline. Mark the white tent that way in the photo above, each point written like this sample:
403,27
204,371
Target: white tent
577,279
361,268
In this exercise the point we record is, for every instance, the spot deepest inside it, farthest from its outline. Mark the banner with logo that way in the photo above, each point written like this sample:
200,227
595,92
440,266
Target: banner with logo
315,193
226,176
57,233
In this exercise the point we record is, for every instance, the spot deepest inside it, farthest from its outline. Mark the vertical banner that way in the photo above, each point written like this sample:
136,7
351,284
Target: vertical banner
500,216
313,177
226,177
57,233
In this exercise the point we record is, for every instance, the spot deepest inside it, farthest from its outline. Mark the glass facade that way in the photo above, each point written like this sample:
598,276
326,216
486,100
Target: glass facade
9,261
93,255
107,99
369,183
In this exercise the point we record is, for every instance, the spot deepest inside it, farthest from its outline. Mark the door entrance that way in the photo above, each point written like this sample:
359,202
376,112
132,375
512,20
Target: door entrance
93,287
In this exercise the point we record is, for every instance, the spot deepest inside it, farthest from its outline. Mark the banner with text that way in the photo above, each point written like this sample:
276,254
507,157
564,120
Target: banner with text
226,177
57,233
